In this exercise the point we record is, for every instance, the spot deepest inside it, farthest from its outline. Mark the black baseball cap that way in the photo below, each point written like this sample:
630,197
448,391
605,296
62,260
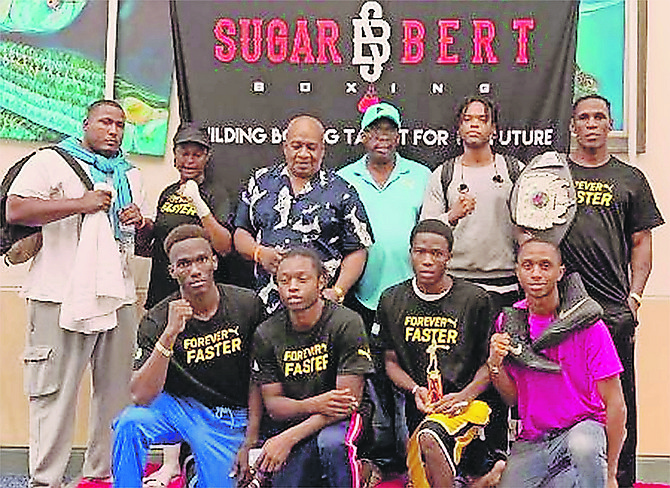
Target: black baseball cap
192,132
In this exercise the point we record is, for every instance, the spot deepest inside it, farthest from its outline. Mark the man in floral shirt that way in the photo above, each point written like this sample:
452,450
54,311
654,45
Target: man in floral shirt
299,203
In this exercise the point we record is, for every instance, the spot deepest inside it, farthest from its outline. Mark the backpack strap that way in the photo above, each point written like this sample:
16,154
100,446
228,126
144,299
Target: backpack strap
514,167
74,164
447,175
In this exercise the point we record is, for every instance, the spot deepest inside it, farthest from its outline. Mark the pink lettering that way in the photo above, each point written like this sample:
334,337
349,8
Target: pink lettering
302,44
222,29
414,33
446,40
251,55
328,33
523,26
480,40
277,40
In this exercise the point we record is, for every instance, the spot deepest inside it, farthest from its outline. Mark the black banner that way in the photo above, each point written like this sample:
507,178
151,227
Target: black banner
245,68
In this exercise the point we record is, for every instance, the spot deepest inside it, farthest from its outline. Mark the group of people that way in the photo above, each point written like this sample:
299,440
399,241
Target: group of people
394,310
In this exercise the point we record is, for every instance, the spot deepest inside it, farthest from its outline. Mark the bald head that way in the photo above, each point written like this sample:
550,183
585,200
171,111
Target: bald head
304,121
304,147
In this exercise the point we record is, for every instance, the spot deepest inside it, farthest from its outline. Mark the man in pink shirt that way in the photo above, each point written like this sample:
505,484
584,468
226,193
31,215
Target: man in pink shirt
573,419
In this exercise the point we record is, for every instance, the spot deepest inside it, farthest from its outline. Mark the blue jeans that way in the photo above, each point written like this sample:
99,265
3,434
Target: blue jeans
574,458
215,436
327,458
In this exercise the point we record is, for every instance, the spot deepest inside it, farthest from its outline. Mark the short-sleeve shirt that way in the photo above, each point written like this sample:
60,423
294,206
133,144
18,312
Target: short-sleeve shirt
554,401
614,201
401,197
308,363
457,325
174,209
211,359
327,216
48,176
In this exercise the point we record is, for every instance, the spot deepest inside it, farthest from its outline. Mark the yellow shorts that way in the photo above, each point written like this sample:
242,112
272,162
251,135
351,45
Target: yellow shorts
453,435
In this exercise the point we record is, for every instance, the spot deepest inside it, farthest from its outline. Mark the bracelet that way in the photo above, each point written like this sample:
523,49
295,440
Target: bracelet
636,297
144,223
163,350
414,390
493,369
340,293
257,253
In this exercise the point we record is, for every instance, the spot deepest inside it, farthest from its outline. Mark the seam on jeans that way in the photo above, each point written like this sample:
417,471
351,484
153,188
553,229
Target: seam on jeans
353,432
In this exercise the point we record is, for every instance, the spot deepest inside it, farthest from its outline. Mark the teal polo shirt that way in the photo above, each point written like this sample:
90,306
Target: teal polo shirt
393,212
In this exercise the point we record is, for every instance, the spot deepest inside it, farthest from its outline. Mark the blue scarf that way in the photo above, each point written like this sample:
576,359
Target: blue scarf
101,167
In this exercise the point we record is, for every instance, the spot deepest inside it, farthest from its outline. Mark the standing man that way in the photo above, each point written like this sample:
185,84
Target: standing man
435,330
310,359
299,203
48,193
192,371
572,419
391,188
471,193
610,243
189,200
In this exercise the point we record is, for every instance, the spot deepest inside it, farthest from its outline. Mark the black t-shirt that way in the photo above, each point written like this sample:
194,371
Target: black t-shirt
459,324
211,359
173,210
308,363
613,202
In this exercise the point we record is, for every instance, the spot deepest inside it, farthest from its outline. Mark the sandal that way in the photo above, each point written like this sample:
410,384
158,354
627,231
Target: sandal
152,482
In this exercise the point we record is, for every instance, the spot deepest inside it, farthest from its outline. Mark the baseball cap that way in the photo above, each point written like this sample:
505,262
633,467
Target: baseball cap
378,111
192,133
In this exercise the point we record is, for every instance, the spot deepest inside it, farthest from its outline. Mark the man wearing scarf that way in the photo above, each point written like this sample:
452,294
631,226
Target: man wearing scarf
99,327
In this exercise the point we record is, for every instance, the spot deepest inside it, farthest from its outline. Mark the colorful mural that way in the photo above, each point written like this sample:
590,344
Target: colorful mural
52,62
600,53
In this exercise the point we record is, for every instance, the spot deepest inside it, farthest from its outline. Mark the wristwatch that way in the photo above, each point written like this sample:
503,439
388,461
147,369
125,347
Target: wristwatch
340,293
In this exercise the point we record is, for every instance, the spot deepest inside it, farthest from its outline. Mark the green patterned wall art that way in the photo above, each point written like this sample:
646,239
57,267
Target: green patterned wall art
52,67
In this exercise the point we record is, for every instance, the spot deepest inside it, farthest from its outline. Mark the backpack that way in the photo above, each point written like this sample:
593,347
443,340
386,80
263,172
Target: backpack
12,233
514,167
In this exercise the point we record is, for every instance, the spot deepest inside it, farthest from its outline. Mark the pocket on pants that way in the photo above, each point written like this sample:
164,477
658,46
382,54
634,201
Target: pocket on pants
40,372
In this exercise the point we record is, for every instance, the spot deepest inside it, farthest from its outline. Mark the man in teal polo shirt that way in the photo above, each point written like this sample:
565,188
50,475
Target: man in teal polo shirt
391,188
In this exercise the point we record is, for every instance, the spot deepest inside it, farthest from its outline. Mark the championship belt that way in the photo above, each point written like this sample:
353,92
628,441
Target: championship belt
543,199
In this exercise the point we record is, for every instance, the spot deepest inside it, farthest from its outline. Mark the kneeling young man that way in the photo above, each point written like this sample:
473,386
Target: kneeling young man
434,330
310,358
192,370
573,419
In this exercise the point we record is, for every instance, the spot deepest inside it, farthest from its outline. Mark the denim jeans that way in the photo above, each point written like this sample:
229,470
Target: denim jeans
327,458
215,435
574,458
